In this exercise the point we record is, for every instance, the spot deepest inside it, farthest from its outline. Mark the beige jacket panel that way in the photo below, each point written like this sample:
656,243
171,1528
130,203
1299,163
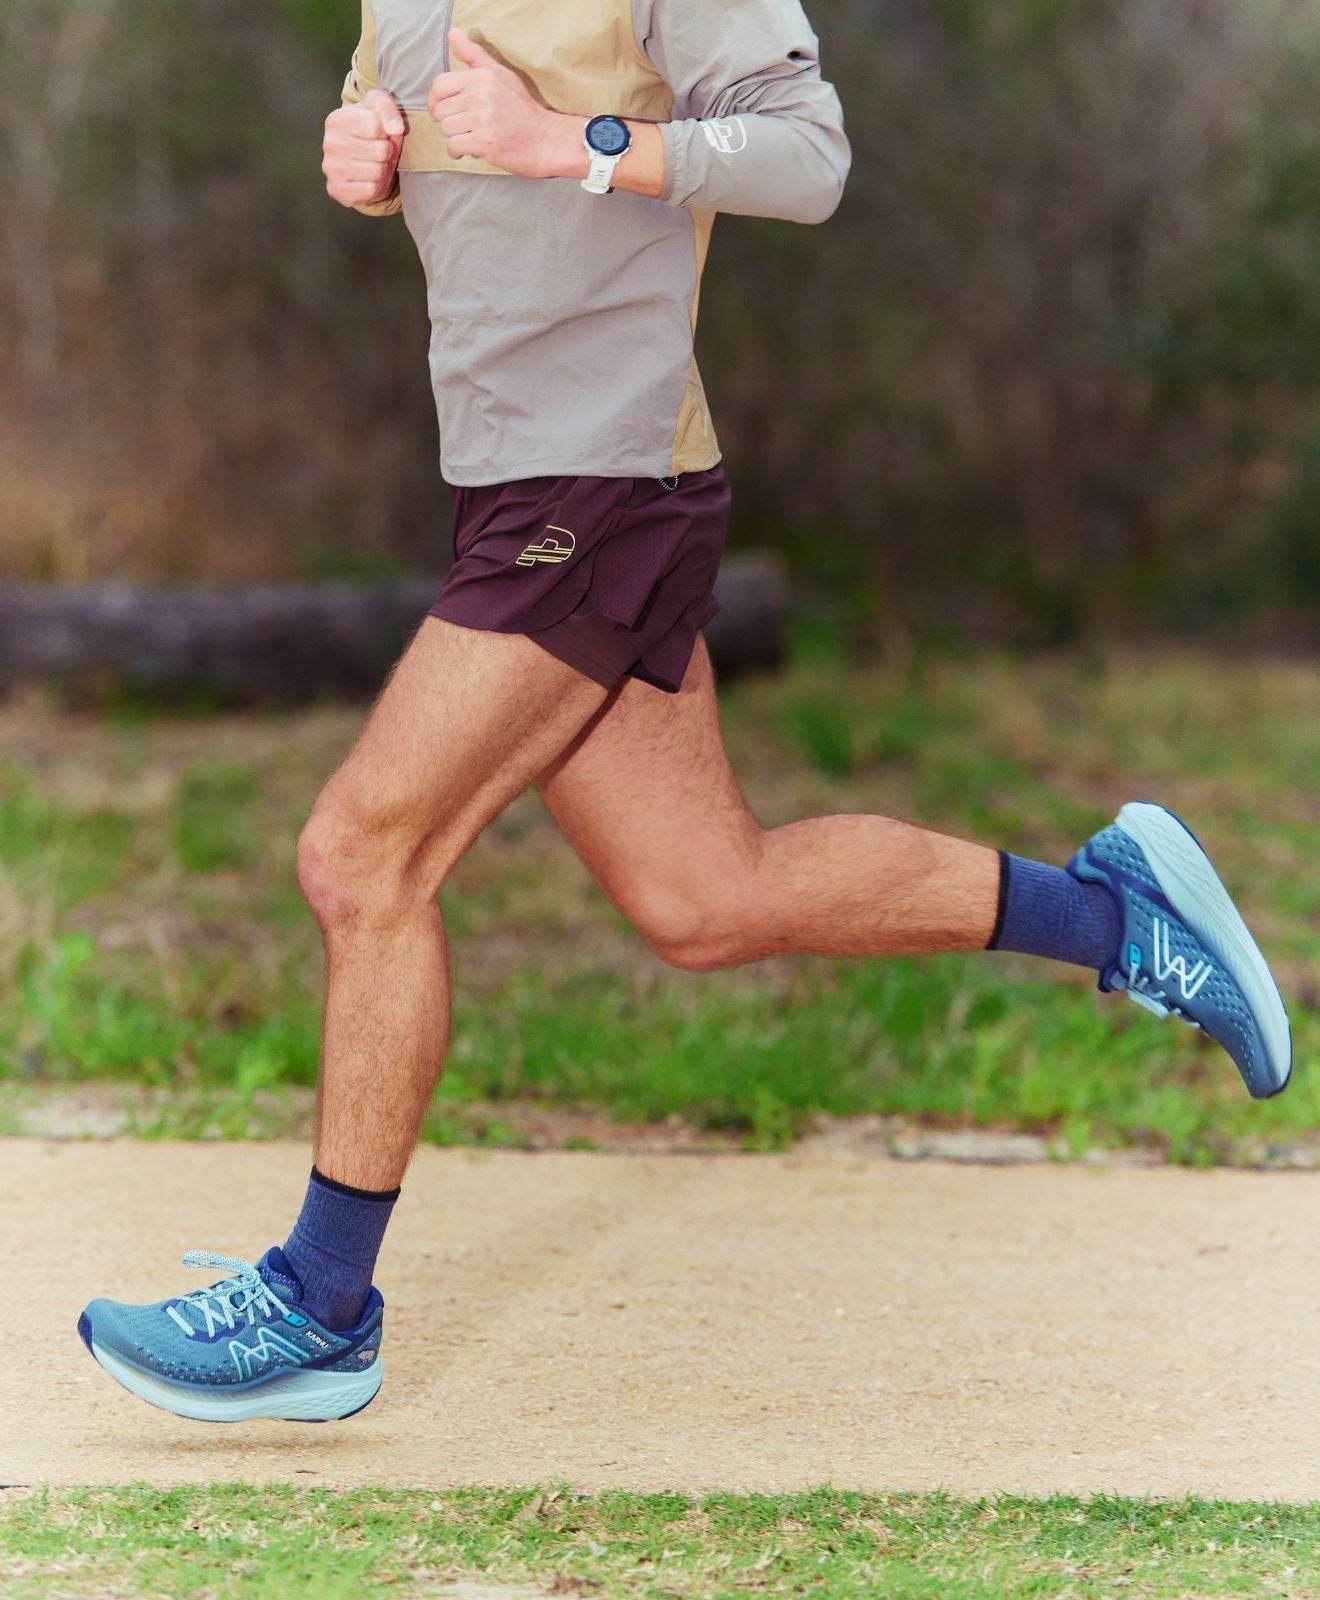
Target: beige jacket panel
576,56
695,445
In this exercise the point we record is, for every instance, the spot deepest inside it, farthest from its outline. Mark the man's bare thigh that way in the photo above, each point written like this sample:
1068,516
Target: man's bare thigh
646,793
467,720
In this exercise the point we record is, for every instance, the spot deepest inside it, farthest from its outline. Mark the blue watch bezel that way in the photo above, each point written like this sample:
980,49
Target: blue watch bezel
615,122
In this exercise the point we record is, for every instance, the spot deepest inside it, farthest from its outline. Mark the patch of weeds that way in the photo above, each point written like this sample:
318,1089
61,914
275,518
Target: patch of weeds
70,1024
821,730
449,1125
211,826
73,855
256,1106
900,730
772,1125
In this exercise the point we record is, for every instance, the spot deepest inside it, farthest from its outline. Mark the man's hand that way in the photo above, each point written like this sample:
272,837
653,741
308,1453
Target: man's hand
361,149
488,111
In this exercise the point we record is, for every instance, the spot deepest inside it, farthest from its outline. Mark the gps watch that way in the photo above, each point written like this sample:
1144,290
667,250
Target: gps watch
608,140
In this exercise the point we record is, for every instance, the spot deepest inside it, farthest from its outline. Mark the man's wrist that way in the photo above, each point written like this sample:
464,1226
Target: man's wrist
569,158
641,171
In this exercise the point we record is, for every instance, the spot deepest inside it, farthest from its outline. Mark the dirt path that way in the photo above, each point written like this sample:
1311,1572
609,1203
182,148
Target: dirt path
750,1322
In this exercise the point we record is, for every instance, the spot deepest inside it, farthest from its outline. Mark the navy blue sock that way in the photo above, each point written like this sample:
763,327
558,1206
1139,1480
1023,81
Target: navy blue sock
1044,911
334,1245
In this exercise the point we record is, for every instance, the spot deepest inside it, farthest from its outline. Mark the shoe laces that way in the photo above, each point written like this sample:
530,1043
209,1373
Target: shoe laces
1141,988
236,1301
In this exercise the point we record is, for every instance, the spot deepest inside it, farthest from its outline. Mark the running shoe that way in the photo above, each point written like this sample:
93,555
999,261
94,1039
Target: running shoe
239,1349
1185,950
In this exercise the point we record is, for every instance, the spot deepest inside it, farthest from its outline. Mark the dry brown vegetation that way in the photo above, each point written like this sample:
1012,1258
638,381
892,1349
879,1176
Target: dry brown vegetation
1056,359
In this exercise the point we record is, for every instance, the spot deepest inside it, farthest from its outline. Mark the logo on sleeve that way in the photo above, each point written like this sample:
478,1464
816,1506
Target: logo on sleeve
550,549
729,138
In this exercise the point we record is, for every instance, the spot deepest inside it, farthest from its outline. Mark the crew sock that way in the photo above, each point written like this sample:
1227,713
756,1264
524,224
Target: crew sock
334,1245
1044,911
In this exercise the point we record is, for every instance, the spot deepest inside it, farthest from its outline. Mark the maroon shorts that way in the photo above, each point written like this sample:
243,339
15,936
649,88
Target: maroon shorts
614,576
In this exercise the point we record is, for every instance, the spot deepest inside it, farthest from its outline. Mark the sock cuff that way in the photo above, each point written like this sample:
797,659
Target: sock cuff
1001,905
382,1196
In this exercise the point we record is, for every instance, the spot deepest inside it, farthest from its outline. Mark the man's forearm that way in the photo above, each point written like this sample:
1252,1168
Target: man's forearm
788,167
642,170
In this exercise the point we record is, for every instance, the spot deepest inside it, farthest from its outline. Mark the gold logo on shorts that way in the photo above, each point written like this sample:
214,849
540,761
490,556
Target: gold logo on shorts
549,549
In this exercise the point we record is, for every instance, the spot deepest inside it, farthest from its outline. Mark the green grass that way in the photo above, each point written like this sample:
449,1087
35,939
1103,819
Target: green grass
151,930
241,1543
210,828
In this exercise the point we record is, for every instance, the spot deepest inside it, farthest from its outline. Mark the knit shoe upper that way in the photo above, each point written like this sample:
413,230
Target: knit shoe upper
1185,950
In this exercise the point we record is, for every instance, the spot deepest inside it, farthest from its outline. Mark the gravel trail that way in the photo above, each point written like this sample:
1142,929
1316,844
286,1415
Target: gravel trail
693,1321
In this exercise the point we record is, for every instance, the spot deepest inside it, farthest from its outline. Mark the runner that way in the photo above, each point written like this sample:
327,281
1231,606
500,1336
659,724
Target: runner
559,169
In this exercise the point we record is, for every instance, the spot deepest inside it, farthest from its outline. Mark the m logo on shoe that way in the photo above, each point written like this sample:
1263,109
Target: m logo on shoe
550,549
1167,965
267,1347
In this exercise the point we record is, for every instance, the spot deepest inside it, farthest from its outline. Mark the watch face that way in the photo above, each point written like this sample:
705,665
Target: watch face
608,136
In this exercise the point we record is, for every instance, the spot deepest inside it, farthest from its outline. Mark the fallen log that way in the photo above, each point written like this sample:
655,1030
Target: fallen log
287,642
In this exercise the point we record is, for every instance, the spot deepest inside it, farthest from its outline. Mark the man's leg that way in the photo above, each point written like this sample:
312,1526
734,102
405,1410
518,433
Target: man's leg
465,724
647,797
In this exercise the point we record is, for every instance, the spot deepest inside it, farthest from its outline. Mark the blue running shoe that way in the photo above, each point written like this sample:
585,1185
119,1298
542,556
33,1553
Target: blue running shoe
1185,950
239,1349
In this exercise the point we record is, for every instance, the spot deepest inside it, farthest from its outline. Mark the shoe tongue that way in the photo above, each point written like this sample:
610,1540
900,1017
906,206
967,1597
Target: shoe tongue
275,1269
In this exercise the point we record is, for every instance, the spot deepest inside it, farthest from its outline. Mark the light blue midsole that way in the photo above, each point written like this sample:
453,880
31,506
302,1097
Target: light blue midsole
318,1396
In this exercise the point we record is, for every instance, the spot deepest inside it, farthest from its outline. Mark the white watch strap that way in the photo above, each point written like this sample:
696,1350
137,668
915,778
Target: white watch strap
601,177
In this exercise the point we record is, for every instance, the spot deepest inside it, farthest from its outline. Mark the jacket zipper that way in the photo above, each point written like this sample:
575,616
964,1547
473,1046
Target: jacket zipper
444,31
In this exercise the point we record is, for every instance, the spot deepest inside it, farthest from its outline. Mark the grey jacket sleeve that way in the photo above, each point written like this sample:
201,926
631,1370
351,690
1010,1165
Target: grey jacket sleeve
756,130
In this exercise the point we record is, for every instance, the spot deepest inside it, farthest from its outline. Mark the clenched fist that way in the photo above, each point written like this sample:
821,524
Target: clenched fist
361,149
488,111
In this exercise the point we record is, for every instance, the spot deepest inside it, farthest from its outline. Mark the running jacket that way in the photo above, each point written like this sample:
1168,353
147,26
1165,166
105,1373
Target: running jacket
563,322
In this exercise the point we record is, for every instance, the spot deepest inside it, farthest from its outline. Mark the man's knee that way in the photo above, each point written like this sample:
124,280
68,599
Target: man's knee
696,931
357,866
329,866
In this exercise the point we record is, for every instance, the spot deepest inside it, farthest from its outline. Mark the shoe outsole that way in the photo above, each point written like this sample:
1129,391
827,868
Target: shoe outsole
1189,881
290,1397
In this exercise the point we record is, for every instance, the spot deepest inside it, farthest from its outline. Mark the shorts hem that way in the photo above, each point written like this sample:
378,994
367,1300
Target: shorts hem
554,642
590,644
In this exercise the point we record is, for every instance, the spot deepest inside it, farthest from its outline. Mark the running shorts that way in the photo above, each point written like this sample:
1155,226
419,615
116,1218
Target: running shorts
614,576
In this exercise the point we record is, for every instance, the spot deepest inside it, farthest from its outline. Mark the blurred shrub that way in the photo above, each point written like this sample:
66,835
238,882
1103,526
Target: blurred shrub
1055,364
1058,358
